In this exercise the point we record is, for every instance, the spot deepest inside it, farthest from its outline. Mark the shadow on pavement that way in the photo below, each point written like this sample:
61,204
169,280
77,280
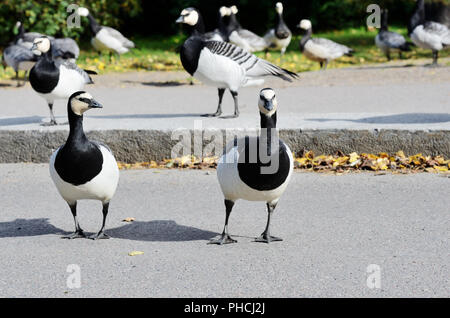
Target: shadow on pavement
158,84
31,227
417,118
142,116
20,121
159,231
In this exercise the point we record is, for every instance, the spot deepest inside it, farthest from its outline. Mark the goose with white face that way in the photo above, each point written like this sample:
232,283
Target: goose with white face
224,11
41,45
305,24
234,10
279,8
82,12
267,103
83,102
188,16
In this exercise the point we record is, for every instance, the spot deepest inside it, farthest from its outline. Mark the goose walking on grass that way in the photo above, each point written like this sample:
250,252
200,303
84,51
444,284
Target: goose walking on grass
19,58
82,169
256,168
428,35
106,38
279,37
389,41
194,20
55,79
226,66
244,38
319,49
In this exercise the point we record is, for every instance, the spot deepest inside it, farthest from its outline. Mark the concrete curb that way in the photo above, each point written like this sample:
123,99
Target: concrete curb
145,145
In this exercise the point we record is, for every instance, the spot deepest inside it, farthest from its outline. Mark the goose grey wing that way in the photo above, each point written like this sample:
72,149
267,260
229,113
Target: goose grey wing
254,66
72,66
438,29
393,39
60,47
15,54
119,36
331,45
253,39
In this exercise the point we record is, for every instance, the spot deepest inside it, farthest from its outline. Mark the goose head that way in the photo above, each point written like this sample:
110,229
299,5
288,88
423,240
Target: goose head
267,103
82,12
82,101
234,10
41,45
279,8
305,24
224,11
189,16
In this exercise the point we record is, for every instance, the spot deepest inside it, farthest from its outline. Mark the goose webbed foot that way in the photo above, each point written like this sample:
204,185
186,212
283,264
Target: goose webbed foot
266,238
78,234
235,115
100,236
224,238
216,114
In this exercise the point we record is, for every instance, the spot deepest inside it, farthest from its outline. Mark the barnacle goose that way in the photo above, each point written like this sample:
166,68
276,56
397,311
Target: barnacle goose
106,38
319,49
55,79
63,48
226,66
82,169
428,34
20,59
280,37
387,40
192,18
244,38
246,172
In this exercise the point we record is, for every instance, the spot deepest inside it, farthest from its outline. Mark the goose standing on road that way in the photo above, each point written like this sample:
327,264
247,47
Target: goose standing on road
194,20
264,178
82,169
106,38
280,37
55,80
428,35
226,66
20,59
387,40
319,49
244,38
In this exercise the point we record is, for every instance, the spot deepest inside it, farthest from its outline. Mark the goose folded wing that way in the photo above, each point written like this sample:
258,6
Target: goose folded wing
118,36
19,53
253,66
438,29
330,47
393,40
74,67
66,45
255,41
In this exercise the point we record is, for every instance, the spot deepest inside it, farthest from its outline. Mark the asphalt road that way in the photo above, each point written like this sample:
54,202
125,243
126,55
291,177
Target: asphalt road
333,227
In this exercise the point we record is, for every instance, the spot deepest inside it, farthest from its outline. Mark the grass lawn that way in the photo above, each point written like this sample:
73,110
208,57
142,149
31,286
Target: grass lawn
159,53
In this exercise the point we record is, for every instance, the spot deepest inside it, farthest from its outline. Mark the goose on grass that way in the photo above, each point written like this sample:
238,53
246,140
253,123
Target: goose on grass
389,41
279,37
244,38
106,38
82,169
226,66
194,20
319,49
256,168
19,58
428,35
55,79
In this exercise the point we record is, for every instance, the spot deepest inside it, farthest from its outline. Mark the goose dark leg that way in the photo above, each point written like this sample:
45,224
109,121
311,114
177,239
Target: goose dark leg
78,231
236,104
102,234
321,65
17,78
400,56
435,58
219,108
225,238
388,55
265,236
52,117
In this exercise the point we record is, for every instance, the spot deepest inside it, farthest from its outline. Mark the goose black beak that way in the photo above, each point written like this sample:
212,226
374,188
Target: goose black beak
33,47
268,104
94,104
180,20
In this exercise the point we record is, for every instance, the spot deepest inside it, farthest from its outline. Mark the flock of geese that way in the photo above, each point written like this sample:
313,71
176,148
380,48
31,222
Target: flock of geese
84,169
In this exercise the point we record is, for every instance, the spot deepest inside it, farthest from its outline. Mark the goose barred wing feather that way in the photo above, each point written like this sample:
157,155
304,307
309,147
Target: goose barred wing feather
253,66
255,41
15,54
61,47
118,36
72,66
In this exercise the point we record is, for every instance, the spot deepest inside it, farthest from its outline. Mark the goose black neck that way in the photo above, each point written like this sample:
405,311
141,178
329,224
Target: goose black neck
418,17
305,39
268,131
268,121
20,34
95,27
384,21
76,134
234,23
223,26
280,20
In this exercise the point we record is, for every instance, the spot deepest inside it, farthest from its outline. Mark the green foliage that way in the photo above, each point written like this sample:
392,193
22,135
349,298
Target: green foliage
50,16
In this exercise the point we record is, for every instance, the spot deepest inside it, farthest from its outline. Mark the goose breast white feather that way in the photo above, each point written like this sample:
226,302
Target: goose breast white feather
432,36
102,187
234,188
